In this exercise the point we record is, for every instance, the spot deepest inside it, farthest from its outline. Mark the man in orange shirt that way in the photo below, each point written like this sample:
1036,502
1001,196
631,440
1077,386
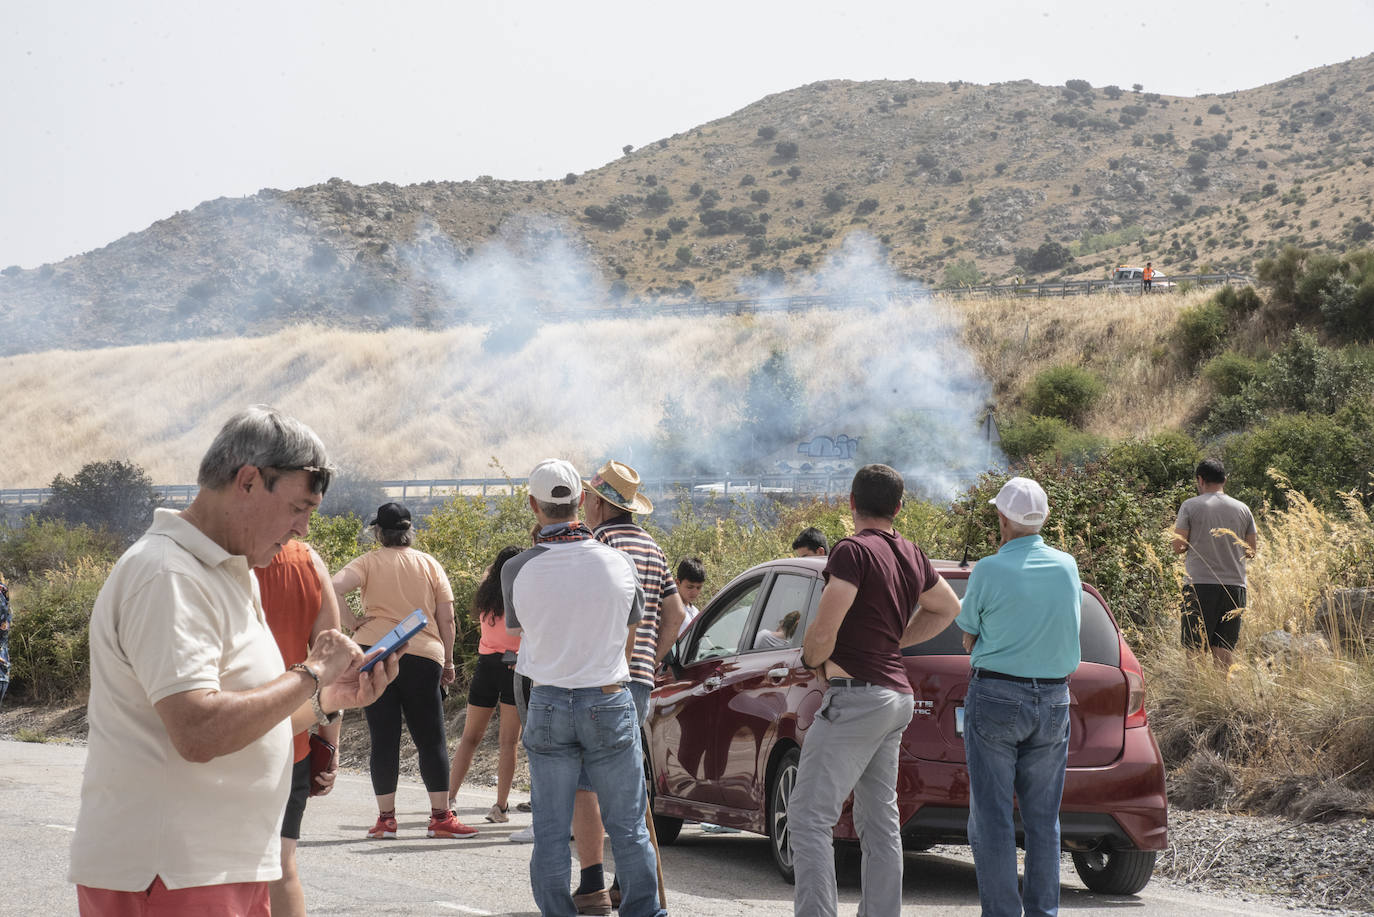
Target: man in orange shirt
299,602
1146,277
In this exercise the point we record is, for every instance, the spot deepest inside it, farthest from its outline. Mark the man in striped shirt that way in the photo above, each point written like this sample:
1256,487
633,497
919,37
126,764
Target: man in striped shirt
612,499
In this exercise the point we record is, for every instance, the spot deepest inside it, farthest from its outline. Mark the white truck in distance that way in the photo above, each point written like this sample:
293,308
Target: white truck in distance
1128,278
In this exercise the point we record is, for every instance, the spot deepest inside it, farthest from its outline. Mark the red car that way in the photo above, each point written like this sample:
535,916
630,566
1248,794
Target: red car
732,706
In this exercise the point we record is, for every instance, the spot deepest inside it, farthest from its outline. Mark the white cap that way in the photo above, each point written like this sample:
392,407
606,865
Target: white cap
555,481
1024,502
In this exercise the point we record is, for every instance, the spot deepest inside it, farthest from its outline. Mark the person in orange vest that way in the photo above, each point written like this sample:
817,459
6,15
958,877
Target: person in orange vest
299,602
1146,276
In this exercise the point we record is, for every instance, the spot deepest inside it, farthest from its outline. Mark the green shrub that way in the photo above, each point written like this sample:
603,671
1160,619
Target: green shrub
116,496
1229,372
1026,437
1115,528
1304,376
39,545
1233,413
1319,455
1163,461
1200,331
50,634
1065,392
1238,303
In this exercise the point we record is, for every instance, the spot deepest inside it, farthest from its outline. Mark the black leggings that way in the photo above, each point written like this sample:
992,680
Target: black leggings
415,695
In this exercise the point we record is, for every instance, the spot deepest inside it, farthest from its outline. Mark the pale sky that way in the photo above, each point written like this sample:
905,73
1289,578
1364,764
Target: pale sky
118,113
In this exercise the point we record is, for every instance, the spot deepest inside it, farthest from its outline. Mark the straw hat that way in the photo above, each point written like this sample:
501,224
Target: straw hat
618,484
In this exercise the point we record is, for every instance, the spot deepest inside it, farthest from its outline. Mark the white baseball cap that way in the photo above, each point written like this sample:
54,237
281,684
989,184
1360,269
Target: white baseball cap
1023,501
555,481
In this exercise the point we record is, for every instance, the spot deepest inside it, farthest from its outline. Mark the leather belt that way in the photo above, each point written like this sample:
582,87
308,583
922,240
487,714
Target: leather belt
850,683
988,673
605,689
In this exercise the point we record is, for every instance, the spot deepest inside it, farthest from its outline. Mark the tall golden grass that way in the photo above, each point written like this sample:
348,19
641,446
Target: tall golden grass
415,404
1290,718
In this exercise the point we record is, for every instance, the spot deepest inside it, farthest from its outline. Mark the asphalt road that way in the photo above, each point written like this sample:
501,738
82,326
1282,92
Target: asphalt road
346,874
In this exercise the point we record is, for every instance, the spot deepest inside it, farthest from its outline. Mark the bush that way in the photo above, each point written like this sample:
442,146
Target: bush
1115,529
677,224
767,133
794,172
1304,376
786,149
1200,332
116,496
1238,303
1164,461
1027,437
658,200
684,254
1051,256
1229,372
1197,161
760,196
834,200
612,216
866,206
1321,456
50,634
964,273
709,198
1078,86
954,177
40,545
1065,392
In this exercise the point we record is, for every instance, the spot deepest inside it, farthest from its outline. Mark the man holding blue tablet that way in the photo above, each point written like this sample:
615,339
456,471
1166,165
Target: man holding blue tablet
191,708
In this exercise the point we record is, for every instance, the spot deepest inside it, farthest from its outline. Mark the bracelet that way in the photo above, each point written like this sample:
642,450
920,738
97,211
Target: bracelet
320,716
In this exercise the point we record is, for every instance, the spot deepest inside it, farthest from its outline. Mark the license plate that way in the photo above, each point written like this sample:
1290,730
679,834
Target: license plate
958,721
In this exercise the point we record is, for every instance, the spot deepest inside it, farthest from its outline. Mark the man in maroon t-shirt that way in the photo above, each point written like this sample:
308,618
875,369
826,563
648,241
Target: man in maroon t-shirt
874,581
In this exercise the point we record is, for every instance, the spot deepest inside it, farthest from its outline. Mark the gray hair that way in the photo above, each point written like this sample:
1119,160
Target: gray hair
558,512
264,437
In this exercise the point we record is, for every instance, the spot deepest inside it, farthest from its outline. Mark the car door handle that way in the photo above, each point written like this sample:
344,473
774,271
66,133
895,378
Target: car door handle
711,683
778,674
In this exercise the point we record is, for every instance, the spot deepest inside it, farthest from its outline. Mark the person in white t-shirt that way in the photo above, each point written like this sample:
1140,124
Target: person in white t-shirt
191,709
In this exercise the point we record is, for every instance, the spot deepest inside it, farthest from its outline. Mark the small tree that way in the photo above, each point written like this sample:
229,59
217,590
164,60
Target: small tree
767,133
684,255
794,172
834,199
116,496
786,149
627,149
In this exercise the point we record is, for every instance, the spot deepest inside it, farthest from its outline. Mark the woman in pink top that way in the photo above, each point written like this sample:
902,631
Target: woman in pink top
493,681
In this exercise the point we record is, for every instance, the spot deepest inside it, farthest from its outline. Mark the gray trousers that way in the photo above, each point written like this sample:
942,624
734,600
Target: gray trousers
851,745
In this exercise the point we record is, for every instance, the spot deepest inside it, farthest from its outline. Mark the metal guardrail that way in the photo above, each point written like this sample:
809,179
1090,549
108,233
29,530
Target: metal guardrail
436,490
1060,288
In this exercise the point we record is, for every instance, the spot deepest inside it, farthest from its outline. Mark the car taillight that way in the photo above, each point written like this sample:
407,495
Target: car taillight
1135,685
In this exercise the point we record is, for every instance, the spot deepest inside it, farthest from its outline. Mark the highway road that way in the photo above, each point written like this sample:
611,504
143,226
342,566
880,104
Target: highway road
346,874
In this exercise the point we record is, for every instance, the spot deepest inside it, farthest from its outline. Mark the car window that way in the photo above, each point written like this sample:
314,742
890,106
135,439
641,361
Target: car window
1096,633
720,634
781,625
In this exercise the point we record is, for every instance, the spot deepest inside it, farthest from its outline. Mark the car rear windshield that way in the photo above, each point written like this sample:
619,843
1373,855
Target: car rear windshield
1097,637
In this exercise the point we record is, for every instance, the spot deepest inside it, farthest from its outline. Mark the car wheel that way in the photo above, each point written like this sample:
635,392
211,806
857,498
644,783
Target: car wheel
666,828
1115,872
779,835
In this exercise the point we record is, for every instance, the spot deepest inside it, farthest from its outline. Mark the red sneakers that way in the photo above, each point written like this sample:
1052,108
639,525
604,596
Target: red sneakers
385,827
448,825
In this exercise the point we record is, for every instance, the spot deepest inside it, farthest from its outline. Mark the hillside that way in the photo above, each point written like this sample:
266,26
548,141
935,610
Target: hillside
406,403
955,181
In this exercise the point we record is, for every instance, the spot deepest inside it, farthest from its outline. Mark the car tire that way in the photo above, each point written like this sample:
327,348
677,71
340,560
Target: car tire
666,828
779,792
1115,872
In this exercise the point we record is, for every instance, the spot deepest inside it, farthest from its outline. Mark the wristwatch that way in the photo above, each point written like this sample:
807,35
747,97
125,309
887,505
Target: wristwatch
320,716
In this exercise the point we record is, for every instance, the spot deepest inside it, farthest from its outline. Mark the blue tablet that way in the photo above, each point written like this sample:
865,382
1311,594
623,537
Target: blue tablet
394,638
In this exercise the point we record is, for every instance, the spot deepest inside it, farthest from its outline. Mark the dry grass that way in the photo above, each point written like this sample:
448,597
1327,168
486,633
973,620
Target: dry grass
417,404
1284,730
1124,339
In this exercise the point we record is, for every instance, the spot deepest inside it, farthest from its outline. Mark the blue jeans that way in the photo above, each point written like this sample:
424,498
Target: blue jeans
640,692
1016,739
565,730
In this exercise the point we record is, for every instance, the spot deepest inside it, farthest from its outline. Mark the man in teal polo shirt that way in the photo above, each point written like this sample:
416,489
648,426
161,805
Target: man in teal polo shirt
1020,619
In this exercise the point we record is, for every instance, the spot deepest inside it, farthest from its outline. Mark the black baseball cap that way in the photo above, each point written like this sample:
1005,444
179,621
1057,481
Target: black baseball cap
392,516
